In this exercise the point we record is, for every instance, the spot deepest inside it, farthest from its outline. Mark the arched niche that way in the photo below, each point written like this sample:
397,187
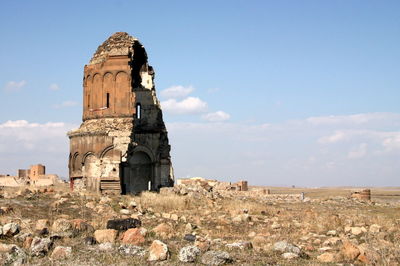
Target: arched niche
137,173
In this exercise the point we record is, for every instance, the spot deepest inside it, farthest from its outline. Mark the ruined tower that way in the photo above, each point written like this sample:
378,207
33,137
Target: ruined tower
122,144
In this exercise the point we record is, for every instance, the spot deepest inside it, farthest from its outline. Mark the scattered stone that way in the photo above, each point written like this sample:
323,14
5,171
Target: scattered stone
107,246
62,227
61,252
260,243
189,237
14,255
189,253
40,246
202,243
374,228
326,257
358,230
331,233
164,230
10,229
350,251
284,246
42,225
333,241
240,245
81,226
158,251
216,258
27,242
290,255
275,225
125,211
132,250
123,224
134,236
105,235
90,241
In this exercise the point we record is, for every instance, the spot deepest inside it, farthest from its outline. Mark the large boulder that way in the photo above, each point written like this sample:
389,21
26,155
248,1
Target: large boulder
61,252
10,229
284,247
132,250
216,258
12,255
105,235
123,224
158,251
62,227
189,253
164,230
40,246
134,236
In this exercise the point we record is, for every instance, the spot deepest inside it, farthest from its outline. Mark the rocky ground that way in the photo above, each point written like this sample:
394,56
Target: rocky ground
196,224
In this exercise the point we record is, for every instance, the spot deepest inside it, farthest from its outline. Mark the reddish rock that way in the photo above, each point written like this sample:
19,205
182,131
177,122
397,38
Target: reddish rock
42,224
164,230
134,236
158,251
350,251
80,225
27,242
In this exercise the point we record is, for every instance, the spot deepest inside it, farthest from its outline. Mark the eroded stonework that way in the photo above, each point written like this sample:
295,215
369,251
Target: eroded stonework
122,144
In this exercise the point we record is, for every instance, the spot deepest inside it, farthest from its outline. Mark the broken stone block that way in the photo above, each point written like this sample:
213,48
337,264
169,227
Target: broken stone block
123,224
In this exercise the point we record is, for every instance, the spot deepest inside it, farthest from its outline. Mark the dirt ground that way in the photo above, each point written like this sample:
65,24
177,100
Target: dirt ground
328,226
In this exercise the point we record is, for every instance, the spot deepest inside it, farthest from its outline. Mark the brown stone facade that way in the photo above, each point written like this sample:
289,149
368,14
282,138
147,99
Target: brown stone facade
122,144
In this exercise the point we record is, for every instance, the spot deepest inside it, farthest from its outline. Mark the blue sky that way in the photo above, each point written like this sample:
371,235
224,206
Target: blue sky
281,92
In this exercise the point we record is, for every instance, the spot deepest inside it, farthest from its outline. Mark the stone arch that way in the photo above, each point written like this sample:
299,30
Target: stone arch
90,174
145,149
105,151
108,92
96,91
123,90
76,163
137,173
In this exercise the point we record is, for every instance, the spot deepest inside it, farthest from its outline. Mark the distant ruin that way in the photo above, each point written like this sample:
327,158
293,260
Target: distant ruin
35,175
122,145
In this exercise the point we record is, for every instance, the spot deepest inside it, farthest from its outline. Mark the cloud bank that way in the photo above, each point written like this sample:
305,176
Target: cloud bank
300,152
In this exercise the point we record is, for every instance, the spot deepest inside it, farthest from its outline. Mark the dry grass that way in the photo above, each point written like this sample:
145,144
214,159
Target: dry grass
164,202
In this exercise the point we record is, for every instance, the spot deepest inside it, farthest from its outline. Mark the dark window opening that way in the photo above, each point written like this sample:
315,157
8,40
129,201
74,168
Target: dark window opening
108,100
88,100
138,111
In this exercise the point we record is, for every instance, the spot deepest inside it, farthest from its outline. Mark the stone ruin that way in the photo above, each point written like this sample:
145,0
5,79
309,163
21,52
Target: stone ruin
363,194
122,145
35,175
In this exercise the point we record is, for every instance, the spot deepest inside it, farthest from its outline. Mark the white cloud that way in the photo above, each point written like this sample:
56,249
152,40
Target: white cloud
65,104
218,116
24,143
189,105
14,85
54,87
176,92
392,142
336,137
354,120
358,152
293,152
